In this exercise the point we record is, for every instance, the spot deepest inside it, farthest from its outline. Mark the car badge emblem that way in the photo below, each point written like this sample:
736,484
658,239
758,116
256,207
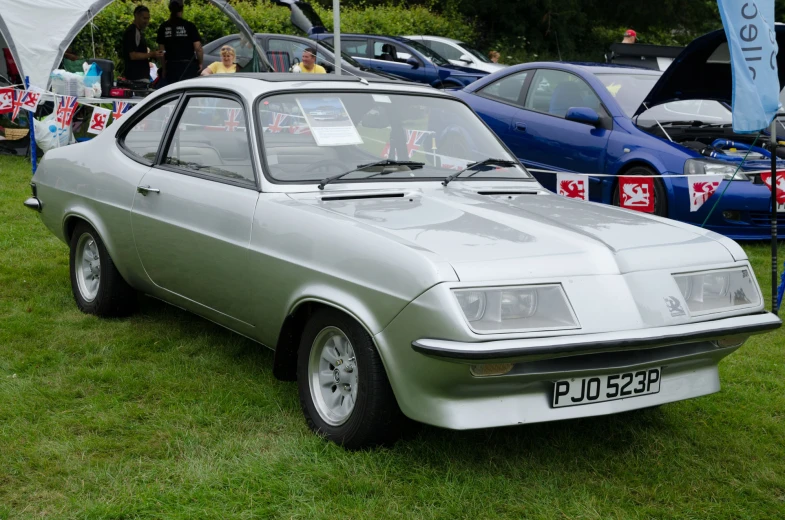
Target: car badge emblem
674,307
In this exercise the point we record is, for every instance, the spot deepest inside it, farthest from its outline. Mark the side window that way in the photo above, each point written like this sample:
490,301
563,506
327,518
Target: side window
358,48
144,138
242,47
389,52
212,140
509,88
554,92
446,51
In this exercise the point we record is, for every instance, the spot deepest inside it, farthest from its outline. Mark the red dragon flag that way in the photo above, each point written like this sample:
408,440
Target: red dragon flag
636,193
98,120
6,100
572,186
702,187
30,100
766,178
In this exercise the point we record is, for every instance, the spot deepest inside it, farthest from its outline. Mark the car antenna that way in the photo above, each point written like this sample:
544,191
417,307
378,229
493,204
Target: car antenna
658,123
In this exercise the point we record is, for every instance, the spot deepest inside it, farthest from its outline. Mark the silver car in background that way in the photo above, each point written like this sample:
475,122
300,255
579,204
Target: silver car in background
458,52
395,255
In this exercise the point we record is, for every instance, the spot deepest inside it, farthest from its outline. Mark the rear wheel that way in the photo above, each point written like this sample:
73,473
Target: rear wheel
660,195
97,285
344,391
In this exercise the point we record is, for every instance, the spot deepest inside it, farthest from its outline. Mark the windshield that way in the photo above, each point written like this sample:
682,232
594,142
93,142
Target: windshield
631,89
474,52
431,56
309,137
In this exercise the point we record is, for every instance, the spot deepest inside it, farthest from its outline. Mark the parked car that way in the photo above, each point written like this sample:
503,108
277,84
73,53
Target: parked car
283,51
458,52
452,289
616,120
386,54
406,58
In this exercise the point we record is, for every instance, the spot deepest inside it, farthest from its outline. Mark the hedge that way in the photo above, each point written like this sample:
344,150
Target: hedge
264,18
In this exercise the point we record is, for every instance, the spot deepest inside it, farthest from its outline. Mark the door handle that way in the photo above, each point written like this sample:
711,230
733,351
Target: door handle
520,126
144,190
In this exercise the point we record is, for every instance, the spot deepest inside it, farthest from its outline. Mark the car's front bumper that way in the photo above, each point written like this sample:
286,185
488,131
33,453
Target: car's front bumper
434,379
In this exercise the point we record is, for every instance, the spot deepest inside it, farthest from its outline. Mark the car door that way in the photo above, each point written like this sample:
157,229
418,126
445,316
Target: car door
391,58
497,102
193,210
544,139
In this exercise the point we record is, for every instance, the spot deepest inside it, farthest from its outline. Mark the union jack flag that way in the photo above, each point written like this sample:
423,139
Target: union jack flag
119,108
16,103
66,106
276,127
233,121
414,140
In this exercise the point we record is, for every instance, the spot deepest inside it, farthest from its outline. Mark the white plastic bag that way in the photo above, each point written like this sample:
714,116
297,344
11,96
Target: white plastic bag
49,135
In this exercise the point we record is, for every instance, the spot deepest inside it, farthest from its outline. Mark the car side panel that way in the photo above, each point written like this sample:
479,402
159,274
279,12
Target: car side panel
100,191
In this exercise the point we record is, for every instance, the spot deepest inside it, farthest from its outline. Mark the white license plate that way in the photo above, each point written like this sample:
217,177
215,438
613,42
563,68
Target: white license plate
587,390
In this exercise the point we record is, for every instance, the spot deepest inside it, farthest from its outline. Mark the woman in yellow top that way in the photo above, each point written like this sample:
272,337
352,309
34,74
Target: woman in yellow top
225,66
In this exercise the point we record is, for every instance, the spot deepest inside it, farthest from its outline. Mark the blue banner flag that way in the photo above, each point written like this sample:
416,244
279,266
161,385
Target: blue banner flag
749,26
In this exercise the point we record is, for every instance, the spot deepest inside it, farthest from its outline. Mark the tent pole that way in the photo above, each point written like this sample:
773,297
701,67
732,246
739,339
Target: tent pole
31,120
773,131
337,35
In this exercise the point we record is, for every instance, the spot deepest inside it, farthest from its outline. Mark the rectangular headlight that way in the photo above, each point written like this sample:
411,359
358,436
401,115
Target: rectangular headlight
516,309
721,290
707,167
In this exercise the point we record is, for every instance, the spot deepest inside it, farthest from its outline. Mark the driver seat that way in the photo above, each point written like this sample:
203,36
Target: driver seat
389,53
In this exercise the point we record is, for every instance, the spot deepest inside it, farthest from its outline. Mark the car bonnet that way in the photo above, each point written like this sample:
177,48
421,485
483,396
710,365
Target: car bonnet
703,71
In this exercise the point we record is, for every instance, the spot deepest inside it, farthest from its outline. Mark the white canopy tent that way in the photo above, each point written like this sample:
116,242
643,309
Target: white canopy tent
39,31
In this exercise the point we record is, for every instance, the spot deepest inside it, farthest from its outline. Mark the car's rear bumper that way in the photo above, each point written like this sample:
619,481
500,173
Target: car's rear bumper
438,381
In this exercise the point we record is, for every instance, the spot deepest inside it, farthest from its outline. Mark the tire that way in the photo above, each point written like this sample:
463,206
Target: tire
660,195
351,402
98,287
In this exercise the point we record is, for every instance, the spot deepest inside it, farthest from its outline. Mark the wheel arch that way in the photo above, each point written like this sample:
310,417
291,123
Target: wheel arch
285,359
645,163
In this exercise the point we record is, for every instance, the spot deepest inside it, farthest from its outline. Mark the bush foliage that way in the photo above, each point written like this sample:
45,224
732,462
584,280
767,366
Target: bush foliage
264,17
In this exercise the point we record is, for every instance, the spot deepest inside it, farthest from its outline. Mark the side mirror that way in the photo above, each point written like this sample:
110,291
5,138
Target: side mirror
465,58
413,62
585,115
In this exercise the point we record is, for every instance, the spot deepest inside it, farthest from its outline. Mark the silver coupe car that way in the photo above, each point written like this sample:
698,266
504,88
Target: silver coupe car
397,257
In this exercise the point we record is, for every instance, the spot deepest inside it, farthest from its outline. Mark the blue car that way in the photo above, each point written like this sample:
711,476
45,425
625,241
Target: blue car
607,119
394,55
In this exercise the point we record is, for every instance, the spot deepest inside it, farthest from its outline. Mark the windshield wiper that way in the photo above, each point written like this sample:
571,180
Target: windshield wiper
475,165
413,165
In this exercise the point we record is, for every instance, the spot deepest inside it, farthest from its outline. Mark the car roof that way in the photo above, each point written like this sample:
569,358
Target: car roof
253,84
435,38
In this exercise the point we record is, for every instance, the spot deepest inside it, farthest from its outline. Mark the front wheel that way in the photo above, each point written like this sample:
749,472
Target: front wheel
97,285
660,195
344,391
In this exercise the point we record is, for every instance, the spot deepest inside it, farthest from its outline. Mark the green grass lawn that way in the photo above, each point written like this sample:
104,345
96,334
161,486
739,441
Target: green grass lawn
165,415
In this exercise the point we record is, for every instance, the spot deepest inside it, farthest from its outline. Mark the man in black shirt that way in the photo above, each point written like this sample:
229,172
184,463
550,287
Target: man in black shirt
135,51
180,41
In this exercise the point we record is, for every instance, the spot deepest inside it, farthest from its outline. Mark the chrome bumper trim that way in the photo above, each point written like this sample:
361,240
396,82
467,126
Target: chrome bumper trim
530,349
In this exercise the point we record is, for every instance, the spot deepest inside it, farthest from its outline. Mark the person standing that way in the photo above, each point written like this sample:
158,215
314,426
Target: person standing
630,36
136,54
181,43
308,64
494,56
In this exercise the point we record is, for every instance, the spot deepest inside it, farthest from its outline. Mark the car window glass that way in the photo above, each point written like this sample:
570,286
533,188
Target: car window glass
242,47
145,136
555,91
308,137
509,88
390,52
689,111
211,139
355,47
293,49
446,51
